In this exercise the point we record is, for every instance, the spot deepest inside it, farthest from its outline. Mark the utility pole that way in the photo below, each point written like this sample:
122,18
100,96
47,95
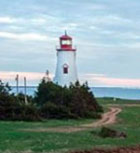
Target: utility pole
25,90
17,83
47,77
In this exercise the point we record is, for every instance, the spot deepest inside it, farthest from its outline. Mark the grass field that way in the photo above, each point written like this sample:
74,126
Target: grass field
106,101
13,138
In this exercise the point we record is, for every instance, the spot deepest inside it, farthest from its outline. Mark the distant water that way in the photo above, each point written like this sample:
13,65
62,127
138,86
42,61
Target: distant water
124,93
30,90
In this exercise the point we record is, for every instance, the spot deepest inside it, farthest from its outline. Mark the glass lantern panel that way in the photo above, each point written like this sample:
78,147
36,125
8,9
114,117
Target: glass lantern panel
66,42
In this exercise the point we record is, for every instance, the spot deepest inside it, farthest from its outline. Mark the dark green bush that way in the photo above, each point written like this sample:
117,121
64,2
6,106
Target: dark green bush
107,132
77,101
14,108
48,92
17,111
51,110
50,101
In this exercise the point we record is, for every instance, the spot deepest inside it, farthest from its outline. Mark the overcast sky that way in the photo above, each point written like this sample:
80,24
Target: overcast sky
106,33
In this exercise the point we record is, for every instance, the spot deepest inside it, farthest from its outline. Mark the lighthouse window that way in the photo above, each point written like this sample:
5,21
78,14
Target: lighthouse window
66,42
65,70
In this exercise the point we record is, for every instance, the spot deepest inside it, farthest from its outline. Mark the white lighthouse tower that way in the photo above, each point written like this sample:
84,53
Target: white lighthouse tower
66,72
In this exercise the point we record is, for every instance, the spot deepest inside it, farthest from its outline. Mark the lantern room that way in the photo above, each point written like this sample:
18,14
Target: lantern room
66,43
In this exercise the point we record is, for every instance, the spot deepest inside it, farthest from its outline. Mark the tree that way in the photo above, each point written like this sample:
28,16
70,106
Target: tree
48,91
76,101
13,108
4,91
83,102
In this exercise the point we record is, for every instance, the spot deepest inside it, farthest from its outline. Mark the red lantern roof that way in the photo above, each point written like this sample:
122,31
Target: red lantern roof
66,43
65,37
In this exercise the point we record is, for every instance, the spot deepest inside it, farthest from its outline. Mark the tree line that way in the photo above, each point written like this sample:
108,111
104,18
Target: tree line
50,101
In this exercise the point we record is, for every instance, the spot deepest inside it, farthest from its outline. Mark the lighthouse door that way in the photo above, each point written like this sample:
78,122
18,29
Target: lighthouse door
65,69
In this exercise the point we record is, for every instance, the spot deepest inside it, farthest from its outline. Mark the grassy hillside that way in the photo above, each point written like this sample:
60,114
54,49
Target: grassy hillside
104,101
14,138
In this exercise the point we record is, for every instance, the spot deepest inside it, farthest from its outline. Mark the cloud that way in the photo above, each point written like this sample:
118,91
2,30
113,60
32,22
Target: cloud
93,79
133,45
35,77
11,75
25,23
107,37
39,21
7,20
110,20
119,81
96,7
43,19
25,36
101,79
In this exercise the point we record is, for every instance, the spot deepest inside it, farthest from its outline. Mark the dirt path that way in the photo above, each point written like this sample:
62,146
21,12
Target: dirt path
107,118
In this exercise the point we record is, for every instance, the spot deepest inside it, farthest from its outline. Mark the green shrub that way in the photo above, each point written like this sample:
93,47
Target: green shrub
76,101
107,132
51,110
50,101
14,108
17,111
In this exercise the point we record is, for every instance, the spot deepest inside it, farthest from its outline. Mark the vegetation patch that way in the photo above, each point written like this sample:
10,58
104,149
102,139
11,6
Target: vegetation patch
76,101
108,132
51,101
15,139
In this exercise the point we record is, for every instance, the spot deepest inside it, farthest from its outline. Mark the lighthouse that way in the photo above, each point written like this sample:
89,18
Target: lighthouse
66,71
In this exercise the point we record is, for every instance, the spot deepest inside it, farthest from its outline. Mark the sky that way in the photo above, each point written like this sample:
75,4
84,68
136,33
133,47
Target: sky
106,34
